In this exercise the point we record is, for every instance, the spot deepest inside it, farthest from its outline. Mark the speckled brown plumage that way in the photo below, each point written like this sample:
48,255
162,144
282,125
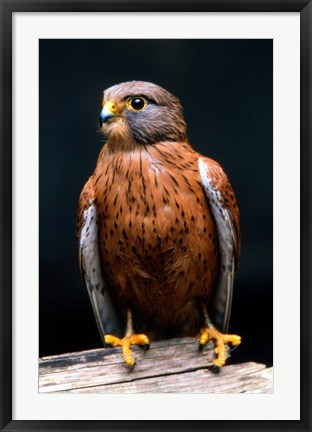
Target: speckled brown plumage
157,235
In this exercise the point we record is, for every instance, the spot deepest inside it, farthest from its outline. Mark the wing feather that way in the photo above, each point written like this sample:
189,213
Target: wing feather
106,315
222,202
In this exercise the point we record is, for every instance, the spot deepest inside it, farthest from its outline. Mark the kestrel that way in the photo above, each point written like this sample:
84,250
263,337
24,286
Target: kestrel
158,227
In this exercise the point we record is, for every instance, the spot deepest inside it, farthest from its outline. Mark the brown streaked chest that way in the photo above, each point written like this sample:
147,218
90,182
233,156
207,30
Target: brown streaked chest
152,215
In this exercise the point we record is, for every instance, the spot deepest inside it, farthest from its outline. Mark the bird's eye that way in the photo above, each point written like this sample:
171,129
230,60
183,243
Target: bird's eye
137,103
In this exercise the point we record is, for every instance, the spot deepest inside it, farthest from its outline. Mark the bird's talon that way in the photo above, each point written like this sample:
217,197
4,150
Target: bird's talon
144,347
221,340
215,369
233,349
125,343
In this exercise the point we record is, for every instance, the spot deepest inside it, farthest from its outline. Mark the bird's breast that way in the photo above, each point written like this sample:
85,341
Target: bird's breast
158,240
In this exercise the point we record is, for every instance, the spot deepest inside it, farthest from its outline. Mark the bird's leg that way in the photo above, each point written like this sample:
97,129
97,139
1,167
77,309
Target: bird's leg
129,339
210,332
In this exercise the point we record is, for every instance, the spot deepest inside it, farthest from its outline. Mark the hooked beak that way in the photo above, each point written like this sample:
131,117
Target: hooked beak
108,112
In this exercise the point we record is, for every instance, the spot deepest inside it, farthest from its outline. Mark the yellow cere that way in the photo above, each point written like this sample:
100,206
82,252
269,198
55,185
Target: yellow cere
112,107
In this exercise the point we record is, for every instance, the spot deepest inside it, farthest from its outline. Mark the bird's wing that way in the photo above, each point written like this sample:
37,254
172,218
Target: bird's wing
106,315
222,202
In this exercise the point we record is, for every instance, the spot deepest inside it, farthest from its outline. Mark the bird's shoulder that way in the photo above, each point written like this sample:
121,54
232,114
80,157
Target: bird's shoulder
215,180
217,176
85,200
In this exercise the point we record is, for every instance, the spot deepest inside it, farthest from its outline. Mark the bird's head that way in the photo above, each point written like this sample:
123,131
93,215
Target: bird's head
140,113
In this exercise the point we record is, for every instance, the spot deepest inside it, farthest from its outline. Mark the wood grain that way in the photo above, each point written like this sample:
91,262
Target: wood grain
172,366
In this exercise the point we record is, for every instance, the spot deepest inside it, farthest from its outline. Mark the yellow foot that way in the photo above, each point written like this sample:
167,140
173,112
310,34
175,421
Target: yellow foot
221,340
132,339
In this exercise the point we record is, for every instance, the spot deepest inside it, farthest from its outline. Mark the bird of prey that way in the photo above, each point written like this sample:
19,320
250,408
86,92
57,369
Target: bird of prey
158,228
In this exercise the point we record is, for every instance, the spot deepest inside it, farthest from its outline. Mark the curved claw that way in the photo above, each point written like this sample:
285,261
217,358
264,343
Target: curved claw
215,369
145,347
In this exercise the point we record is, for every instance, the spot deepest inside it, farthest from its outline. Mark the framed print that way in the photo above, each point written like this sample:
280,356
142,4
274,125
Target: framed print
242,74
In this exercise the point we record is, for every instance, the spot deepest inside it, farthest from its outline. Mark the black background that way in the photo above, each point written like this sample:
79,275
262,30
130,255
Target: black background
226,88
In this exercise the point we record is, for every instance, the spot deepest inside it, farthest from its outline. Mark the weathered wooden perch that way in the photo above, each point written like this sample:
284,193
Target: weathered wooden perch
173,366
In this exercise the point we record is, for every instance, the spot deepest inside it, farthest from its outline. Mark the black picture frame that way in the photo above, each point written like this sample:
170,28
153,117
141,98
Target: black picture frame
7,9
